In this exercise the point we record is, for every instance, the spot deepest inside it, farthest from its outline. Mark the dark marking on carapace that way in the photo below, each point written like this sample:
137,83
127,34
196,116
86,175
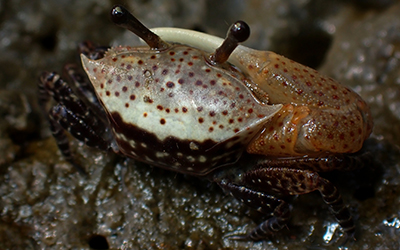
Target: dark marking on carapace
177,150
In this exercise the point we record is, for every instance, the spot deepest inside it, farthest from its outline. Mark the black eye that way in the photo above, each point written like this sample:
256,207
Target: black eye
119,14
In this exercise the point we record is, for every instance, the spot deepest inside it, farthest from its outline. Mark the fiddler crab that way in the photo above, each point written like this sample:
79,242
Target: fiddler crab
260,125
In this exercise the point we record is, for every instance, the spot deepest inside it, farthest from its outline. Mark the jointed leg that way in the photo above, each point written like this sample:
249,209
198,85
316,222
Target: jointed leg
343,162
72,114
257,188
266,204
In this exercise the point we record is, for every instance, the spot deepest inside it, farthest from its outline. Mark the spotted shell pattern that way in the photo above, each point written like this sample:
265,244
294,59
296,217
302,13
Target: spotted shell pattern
175,110
319,117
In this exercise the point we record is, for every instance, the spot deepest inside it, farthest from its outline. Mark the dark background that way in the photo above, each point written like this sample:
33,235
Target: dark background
46,204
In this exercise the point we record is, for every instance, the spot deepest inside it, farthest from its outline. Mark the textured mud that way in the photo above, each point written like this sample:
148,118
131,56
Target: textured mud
122,204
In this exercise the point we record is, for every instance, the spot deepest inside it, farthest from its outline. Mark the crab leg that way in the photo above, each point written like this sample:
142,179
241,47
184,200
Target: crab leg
264,203
70,114
253,186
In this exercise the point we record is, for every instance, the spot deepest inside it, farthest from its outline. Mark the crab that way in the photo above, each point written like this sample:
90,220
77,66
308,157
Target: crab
258,124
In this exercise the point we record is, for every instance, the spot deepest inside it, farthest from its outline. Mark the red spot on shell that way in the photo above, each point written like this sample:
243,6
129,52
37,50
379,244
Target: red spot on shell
171,53
145,114
191,74
201,120
107,93
212,82
162,121
190,63
170,84
159,107
140,62
126,105
124,89
128,66
114,59
199,109
276,66
225,112
236,130
250,110
153,57
132,97
210,129
184,109
212,113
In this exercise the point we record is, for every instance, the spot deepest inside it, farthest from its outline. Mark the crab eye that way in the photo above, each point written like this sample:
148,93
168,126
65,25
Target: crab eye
122,17
237,33
119,15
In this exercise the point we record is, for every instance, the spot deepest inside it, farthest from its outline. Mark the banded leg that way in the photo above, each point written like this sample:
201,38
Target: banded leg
344,162
266,204
284,181
85,90
72,114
